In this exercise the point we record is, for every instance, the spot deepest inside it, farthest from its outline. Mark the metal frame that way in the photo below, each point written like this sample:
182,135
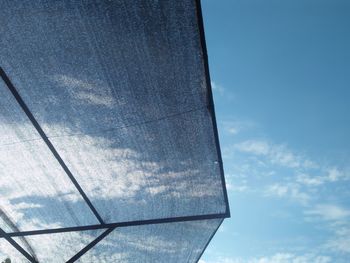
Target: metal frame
112,226
109,229
42,134
90,245
16,246
118,225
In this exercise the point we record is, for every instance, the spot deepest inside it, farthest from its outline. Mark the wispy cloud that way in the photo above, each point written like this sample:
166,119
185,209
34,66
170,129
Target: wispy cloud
254,147
233,126
290,190
339,244
217,88
297,176
276,258
277,190
334,174
310,180
276,154
329,212
236,187
330,175
233,130
341,240
222,92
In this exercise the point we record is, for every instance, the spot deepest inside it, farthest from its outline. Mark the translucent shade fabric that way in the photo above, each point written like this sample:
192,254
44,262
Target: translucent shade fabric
9,252
60,247
106,116
172,243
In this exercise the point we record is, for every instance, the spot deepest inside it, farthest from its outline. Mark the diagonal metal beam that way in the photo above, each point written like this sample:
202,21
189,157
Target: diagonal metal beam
120,224
37,126
16,246
4,217
90,245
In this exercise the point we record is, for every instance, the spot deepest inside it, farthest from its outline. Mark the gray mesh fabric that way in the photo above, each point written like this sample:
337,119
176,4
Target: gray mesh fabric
60,247
35,191
172,243
120,90
7,251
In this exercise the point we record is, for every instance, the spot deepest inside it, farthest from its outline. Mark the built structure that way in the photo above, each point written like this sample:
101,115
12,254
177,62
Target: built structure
109,149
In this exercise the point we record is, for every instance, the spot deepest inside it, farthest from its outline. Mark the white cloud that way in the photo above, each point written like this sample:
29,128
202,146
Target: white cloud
282,156
254,147
339,244
306,179
217,88
277,258
236,187
277,190
289,190
234,126
279,154
276,153
291,258
334,175
233,130
331,175
303,175
329,212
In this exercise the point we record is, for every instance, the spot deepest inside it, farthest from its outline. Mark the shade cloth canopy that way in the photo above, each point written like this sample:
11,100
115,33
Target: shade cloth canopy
109,148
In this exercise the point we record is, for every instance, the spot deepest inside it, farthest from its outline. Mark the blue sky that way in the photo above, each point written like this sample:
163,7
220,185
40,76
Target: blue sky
280,73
